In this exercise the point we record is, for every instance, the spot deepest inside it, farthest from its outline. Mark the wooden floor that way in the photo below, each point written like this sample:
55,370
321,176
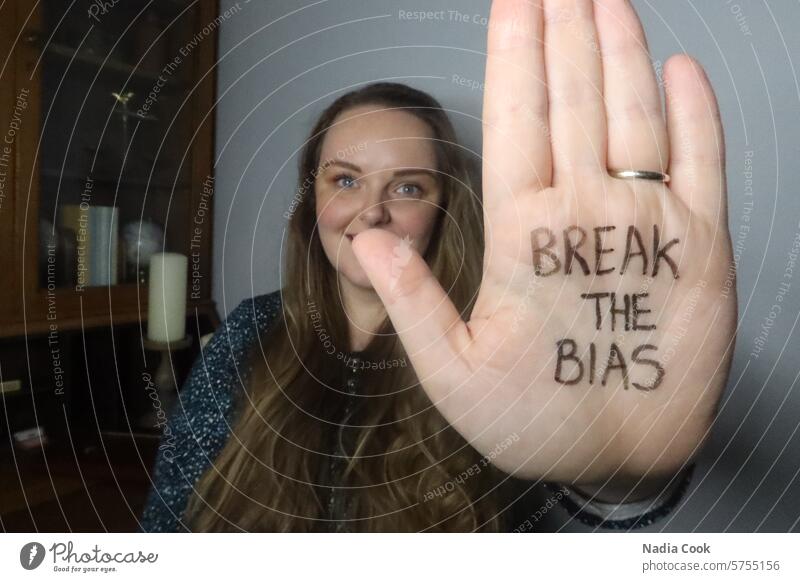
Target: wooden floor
100,488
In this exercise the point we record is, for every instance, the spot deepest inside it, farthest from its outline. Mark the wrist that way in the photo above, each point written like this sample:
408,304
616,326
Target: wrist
621,505
625,490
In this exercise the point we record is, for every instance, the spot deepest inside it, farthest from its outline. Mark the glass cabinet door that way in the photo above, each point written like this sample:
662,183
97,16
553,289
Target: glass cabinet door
114,157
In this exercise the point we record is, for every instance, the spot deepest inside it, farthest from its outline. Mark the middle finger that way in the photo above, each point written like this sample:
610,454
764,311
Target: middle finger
575,88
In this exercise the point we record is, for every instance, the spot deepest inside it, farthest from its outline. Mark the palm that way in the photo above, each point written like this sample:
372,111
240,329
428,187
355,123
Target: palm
587,390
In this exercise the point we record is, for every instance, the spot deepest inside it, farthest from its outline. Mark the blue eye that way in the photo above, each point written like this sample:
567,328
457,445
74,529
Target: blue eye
414,190
342,177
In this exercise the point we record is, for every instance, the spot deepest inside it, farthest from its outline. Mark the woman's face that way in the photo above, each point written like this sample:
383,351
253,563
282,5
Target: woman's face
377,170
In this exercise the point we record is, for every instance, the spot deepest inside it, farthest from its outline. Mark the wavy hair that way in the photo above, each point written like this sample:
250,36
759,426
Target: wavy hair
408,470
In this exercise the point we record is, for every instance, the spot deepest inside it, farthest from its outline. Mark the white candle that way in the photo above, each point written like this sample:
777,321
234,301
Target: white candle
166,317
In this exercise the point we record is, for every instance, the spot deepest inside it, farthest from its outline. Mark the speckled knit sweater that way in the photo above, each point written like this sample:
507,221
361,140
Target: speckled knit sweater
199,424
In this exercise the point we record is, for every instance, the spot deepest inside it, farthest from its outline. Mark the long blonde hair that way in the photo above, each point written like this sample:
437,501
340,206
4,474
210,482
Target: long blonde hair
407,473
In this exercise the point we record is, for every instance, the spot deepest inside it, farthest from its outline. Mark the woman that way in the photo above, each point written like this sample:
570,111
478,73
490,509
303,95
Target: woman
366,401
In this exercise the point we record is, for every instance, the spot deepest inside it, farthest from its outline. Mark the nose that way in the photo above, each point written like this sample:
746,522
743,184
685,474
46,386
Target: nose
374,211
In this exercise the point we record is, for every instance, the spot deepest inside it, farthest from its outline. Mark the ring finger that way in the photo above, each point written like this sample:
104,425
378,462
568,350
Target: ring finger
637,132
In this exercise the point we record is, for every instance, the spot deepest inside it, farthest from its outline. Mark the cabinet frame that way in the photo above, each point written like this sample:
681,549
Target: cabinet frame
24,307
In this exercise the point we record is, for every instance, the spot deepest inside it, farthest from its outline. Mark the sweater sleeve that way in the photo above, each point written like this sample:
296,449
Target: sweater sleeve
198,424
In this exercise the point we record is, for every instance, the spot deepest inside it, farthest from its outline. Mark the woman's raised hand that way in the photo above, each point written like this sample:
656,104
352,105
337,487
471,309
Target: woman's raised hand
603,329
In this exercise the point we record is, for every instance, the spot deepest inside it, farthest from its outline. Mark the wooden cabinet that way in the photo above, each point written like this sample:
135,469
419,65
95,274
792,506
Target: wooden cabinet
106,154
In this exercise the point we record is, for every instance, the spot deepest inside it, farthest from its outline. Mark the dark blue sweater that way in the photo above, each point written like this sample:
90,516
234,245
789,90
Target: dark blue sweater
199,424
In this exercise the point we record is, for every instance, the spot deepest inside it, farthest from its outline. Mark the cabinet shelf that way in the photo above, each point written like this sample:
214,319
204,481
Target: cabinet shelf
111,180
130,312
108,64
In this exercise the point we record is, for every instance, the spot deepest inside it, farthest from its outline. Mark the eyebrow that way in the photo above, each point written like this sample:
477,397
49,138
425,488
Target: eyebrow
401,172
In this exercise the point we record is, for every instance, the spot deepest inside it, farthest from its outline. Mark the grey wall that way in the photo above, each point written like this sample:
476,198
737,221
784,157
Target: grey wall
282,61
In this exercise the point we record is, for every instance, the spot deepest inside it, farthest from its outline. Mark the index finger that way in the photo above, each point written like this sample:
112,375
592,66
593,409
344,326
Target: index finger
516,134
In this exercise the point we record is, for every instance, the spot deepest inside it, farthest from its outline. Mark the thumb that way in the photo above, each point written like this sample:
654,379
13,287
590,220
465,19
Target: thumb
427,322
